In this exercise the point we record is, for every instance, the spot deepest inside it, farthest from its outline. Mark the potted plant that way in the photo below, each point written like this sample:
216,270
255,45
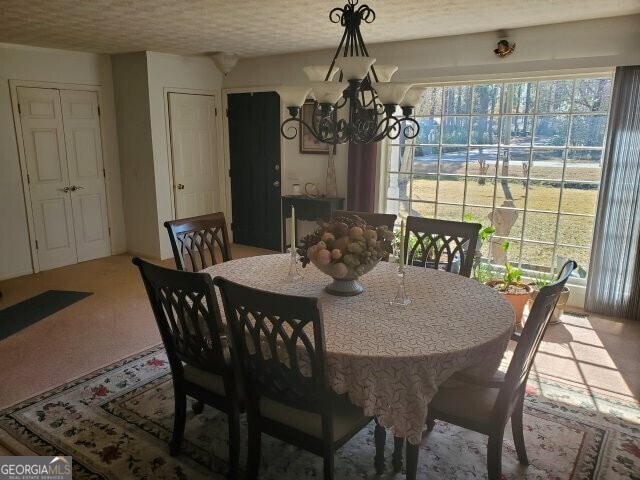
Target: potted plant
542,280
511,286
539,280
484,233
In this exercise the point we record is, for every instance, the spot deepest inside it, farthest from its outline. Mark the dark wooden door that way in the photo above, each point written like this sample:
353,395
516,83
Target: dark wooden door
254,150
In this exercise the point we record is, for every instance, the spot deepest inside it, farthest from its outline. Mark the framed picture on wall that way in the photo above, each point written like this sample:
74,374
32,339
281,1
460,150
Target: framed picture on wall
308,144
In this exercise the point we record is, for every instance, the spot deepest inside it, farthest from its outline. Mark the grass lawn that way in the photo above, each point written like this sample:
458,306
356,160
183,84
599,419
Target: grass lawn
572,226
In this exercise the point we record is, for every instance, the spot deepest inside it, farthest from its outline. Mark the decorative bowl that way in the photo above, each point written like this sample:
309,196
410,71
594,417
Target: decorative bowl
347,285
345,249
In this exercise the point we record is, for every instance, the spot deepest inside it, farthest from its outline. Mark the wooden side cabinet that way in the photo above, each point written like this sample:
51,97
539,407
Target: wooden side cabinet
307,208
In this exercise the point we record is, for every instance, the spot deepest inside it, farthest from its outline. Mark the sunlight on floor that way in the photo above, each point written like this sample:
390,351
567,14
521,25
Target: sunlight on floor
573,351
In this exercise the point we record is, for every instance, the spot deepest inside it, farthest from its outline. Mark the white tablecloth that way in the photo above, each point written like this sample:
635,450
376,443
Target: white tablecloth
390,360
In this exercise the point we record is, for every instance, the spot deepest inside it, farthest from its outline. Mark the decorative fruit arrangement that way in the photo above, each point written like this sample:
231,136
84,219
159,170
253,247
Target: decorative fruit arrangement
345,247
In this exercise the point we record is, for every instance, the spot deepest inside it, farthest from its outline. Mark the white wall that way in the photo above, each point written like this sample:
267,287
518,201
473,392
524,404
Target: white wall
593,44
136,153
184,74
48,65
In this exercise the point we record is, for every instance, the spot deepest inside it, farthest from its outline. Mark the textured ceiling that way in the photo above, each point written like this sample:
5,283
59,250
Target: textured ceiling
266,27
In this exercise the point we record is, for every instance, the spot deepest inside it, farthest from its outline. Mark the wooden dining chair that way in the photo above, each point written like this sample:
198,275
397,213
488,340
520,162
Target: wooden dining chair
373,219
485,406
195,240
441,244
202,365
281,351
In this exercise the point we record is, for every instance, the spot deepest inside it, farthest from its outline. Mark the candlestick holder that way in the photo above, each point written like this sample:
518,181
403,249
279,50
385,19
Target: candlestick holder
293,275
401,299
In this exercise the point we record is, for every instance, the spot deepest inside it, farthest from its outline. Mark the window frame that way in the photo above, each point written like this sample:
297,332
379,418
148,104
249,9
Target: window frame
466,176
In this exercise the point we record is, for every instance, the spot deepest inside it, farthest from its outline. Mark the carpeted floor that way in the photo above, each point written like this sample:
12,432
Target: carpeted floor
116,424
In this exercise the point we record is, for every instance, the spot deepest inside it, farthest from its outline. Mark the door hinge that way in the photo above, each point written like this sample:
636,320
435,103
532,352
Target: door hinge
28,179
109,228
227,112
36,244
19,110
98,110
104,173
216,111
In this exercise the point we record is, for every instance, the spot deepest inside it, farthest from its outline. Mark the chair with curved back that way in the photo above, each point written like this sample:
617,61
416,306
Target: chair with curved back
485,406
195,240
202,366
441,244
373,219
281,351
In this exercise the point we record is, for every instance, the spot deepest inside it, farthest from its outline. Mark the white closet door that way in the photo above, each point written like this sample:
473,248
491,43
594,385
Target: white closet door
86,174
193,152
46,159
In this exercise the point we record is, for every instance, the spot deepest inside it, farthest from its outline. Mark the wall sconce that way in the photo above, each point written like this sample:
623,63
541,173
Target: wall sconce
504,48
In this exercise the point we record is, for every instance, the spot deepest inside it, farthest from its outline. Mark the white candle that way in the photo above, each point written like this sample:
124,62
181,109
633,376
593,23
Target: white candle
293,228
401,259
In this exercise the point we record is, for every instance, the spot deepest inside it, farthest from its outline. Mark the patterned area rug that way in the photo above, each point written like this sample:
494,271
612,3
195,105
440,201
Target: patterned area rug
116,424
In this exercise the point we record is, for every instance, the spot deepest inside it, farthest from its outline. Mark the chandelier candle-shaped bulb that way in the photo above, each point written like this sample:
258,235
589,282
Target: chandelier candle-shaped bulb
293,230
384,72
401,259
354,68
318,73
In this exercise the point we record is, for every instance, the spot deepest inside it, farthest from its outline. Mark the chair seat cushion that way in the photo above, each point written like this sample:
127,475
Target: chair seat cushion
464,401
346,417
208,381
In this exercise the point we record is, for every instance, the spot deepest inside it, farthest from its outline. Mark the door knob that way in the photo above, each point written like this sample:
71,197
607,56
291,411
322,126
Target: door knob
180,186
74,188
276,183
65,189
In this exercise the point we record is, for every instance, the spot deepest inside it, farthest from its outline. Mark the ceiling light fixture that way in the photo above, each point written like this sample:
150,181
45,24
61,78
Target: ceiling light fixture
374,107
224,61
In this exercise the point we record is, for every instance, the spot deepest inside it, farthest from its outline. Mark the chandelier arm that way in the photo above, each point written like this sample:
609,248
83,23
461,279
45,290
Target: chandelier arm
348,50
366,13
336,15
335,56
365,130
363,47
342,131
411,130
394,127
286,123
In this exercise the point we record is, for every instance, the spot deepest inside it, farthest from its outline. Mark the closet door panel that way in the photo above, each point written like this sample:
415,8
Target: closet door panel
86,175
48,177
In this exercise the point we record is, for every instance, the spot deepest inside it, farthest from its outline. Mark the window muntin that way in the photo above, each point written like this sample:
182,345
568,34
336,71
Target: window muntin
522,156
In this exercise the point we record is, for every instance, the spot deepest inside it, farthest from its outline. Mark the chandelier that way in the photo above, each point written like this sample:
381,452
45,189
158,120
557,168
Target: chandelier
363,106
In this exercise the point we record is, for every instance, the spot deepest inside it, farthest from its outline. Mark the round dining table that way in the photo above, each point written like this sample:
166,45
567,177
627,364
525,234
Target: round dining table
391,359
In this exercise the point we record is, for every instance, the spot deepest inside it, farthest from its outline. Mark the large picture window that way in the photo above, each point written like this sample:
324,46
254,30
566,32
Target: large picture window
524,157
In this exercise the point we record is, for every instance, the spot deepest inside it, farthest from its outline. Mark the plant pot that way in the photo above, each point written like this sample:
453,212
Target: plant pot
518,300
558,311
562,302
